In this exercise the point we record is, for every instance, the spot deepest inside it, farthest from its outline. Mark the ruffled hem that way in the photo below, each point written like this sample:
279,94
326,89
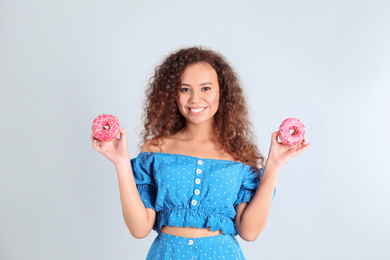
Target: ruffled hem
195,218
244,196
147,194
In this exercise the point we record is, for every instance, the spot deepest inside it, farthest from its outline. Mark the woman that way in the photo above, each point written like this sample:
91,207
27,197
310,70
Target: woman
199,179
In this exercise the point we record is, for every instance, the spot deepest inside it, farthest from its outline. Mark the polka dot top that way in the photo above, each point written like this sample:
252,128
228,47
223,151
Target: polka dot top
187,191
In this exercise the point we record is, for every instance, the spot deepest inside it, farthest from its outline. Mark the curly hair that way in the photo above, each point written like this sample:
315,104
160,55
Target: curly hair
232,127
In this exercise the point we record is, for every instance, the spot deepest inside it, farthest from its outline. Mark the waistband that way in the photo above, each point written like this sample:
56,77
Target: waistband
193,241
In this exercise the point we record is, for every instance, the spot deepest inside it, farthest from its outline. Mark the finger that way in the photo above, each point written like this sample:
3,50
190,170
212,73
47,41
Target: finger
93,138
305,143
275,137
95,145
123,134
303,148
301,144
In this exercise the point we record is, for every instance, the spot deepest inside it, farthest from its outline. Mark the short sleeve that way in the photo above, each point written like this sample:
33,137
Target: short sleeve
249,186
143,176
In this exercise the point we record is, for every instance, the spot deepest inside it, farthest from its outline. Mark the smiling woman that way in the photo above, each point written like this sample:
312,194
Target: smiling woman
200,179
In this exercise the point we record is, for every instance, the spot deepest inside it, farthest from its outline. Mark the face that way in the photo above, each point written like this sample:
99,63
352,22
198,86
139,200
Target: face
198,96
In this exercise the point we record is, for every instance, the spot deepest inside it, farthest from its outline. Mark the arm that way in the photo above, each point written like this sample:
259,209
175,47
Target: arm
251,217
139,220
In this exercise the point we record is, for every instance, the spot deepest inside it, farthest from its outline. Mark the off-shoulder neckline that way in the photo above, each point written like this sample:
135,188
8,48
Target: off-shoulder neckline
195,157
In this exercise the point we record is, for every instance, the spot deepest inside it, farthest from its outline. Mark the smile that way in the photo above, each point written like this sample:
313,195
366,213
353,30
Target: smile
197,110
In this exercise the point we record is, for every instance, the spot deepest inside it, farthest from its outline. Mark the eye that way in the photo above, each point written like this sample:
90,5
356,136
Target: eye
206,88
184,89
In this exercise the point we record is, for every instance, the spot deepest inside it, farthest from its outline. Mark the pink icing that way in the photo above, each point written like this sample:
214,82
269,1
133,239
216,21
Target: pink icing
288,125
102,122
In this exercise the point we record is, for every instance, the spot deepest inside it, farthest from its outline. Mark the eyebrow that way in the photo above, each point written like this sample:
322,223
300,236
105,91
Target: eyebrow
202,84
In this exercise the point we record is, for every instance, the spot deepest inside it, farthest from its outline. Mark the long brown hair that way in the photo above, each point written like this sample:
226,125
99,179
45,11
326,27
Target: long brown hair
232,127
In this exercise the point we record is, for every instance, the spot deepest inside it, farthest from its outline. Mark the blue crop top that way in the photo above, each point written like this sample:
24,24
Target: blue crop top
187,191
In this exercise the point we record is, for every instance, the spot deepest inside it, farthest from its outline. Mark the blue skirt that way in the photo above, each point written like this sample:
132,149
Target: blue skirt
170,247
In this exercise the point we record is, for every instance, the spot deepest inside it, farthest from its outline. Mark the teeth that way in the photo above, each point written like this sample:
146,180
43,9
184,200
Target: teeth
196,110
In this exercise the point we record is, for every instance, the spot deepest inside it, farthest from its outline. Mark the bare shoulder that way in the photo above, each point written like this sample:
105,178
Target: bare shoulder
159,145
152,145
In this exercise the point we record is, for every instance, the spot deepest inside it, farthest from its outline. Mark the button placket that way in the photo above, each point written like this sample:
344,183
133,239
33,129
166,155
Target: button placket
197,182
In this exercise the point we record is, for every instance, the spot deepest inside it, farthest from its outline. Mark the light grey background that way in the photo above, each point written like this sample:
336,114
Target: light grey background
62,63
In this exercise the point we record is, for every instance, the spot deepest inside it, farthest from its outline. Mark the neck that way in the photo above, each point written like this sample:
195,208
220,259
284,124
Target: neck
199,132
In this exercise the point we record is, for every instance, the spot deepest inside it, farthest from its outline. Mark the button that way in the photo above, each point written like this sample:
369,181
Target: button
197,181
193,202
191,242
200,162
198,170
197,192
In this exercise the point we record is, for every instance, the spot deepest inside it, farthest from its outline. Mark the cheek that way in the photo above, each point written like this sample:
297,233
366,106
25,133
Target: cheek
181,103
215,100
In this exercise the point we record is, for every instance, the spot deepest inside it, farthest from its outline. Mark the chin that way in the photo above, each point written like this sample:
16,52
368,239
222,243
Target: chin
199,121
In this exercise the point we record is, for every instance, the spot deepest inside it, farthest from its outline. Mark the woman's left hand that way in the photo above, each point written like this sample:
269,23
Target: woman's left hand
279,153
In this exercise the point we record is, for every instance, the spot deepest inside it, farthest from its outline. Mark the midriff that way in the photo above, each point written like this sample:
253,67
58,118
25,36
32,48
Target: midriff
189,231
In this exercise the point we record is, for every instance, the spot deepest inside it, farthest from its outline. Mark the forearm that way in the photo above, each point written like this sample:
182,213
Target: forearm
136,216
255,215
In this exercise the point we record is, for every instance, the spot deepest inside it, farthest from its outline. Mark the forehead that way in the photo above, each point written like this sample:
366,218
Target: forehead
200,71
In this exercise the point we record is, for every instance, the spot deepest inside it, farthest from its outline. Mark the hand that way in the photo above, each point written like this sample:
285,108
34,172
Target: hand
279,153
116,151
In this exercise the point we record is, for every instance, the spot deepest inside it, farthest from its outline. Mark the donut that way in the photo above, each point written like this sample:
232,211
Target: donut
292,138
106,127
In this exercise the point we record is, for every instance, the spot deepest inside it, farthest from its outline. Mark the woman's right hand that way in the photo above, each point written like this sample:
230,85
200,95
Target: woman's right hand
116,151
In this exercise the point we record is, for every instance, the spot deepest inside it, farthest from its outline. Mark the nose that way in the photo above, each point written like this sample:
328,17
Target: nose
196,96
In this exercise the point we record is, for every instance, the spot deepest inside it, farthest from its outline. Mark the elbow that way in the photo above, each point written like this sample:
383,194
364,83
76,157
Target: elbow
139,229
250,235
139,234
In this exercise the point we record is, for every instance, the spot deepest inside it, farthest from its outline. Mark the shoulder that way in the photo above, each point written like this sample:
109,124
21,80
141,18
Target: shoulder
161,144
158,145
152,145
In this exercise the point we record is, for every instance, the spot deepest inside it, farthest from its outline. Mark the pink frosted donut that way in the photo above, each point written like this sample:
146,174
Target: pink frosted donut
292,138
106,127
